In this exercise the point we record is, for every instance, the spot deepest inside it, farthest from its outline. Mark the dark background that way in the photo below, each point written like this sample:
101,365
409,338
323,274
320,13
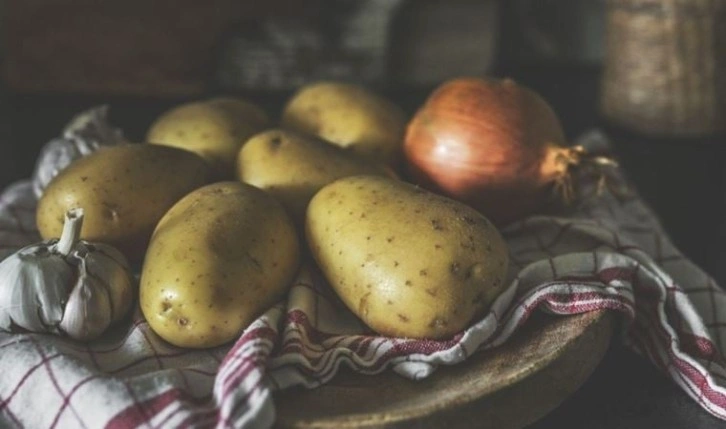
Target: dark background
682,178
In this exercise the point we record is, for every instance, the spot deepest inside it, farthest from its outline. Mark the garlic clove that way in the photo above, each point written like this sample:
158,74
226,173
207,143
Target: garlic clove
108,251
88,311
15,301
6,305
50,287
114,276
34,285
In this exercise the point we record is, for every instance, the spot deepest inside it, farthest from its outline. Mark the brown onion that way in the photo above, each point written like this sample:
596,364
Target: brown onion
493,144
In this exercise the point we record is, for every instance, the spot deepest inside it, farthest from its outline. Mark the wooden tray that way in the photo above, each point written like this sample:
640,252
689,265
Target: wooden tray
505,388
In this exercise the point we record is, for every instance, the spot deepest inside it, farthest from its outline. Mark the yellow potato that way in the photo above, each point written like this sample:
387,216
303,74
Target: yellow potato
293,167
238,108
124,191
408,262
213,129
218,259
349,116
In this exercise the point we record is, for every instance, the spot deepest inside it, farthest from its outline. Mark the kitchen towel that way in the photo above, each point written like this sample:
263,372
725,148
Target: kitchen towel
607,252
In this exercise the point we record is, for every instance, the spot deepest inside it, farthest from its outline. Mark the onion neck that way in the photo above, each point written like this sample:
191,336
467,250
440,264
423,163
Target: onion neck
558,163
556,168
71,231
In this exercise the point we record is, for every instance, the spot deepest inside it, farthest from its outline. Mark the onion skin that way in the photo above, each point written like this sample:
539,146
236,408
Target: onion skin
492,144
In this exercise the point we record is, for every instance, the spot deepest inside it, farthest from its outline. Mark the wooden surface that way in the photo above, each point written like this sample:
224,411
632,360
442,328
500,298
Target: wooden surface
505,388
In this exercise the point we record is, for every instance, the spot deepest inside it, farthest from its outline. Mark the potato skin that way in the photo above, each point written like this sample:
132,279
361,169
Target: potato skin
293,167
349,116
124,191
408,262
218,259
214,129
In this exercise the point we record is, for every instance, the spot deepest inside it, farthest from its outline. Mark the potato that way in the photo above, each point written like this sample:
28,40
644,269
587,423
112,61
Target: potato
218,259
408,262
293,167
124,191
349,116
213,129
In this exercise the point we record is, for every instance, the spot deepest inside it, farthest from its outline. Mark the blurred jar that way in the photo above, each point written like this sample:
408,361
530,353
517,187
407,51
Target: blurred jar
665,73
663,102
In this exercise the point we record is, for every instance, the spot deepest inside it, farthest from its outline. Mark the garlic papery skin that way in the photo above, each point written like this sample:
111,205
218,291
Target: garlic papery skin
65,286
84,134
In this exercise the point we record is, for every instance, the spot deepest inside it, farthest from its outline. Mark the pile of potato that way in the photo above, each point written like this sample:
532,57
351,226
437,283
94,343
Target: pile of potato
221,206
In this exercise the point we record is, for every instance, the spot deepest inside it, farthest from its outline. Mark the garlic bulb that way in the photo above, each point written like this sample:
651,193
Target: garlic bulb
65,286
83,135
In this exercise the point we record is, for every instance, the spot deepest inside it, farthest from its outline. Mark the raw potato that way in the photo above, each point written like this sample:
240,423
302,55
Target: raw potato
349,116
293,167
218,259
123,190
213,129
408,262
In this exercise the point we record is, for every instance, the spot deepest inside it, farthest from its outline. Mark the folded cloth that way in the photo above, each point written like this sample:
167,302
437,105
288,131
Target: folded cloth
609,252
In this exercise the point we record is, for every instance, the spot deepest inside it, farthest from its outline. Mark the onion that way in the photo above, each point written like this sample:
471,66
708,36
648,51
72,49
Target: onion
492,144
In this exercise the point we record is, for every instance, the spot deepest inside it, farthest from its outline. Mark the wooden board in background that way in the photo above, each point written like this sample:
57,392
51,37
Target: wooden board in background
124,47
